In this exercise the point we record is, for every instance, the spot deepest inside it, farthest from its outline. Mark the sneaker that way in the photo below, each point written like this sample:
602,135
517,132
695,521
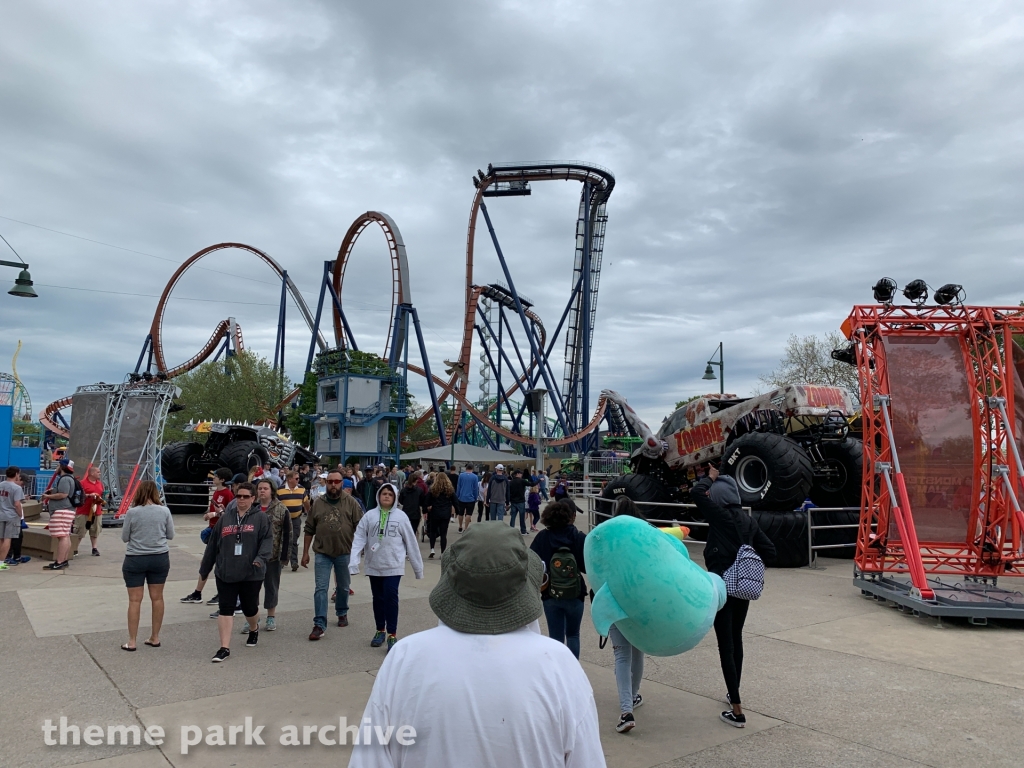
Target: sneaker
25,558
213,600
460,530
295,568
736,721
343,621
95,552
245,628
317,632
431,555
638,701
12,562
195,597
271,624
626,723
378,639
54,566
4,567
215,614
392,639
334,595
351,592
254,637
220,655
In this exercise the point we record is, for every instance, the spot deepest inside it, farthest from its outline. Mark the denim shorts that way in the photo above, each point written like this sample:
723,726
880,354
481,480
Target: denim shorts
139,570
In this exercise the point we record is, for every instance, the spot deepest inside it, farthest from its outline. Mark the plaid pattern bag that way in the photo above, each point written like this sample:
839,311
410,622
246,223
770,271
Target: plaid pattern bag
744,579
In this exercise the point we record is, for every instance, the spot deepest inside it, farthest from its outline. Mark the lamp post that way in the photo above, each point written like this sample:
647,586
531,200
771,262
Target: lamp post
709,373
23,284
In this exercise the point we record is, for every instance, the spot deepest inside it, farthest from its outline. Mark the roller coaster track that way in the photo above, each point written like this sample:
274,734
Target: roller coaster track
225,329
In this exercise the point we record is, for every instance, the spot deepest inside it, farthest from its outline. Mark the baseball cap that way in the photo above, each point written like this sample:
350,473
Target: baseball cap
67,463
500,466
347,483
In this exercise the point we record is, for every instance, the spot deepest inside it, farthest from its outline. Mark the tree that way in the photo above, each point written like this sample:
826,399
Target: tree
808,360
681,403
301,429
241,388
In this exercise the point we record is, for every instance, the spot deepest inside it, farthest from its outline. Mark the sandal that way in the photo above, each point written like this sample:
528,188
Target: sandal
151,645
126,648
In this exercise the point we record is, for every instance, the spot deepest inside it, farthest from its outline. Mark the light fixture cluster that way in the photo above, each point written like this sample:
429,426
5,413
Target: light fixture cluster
916,291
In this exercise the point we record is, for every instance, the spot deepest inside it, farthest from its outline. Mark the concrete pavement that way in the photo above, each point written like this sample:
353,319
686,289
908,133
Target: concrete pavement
829,677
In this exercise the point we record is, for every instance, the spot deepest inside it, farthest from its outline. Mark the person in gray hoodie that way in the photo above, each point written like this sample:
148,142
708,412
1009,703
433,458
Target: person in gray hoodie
385,536
497,493
240,546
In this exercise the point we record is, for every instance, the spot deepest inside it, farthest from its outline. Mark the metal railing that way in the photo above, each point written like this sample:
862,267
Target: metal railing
812,548
182,496
594,516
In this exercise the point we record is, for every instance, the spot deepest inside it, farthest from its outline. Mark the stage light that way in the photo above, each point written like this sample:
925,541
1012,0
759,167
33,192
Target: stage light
916,291
950,293
884,290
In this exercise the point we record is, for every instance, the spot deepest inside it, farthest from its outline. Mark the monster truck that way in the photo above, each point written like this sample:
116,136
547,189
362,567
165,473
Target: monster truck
782,447
239,447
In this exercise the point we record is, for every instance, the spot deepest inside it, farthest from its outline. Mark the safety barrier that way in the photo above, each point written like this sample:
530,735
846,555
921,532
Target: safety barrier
594,516
812,548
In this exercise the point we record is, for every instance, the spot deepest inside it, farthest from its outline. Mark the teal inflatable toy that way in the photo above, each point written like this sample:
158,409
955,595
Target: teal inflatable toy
645,584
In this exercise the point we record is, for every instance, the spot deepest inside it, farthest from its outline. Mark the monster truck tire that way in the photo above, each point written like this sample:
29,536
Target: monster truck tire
772,471
847,458
636,487
179,463
788,532
243,456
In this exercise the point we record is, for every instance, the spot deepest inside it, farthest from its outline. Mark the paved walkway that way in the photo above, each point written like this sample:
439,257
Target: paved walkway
829,677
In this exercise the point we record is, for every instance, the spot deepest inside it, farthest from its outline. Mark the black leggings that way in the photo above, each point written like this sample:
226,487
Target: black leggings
480,511
729,631
436,529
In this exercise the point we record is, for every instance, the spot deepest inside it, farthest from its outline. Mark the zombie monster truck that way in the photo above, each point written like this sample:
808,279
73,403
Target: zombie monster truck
239,447
783,447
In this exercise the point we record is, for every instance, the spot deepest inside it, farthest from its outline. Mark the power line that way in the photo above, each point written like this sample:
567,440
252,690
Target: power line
120,248
157,296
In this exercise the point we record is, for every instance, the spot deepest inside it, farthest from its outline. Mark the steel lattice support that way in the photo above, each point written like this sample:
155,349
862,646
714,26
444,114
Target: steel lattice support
992,533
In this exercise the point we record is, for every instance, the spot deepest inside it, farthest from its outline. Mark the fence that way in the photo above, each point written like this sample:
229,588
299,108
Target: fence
812,548
184,498
594,515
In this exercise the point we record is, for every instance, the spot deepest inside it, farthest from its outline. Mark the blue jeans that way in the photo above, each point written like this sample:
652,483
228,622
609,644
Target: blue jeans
385,602
322,567
564,619
518,507
497,510
629,668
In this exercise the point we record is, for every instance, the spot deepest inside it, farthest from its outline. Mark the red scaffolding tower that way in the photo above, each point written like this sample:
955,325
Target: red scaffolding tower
943,415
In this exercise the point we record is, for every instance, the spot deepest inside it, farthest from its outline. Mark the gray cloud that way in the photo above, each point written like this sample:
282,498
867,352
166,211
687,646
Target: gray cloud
772,159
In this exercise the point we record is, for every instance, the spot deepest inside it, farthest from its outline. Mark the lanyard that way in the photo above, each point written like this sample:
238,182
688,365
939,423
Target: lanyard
238,526
383,523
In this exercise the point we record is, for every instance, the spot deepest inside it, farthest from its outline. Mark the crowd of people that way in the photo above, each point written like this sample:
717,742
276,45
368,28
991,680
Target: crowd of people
369,520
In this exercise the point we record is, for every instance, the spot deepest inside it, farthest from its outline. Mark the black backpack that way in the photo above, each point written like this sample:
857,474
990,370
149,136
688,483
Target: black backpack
77,496
563,575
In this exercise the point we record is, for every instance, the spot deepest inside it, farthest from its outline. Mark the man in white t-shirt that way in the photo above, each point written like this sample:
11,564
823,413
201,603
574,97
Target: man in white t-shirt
484,687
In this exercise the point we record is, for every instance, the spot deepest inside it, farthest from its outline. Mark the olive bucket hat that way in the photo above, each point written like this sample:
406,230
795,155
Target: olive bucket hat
490,582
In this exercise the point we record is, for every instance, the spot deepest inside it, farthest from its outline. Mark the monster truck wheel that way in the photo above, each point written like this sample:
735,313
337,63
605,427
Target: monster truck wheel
772,471
843,490
788,532
637,488
243,456
179,463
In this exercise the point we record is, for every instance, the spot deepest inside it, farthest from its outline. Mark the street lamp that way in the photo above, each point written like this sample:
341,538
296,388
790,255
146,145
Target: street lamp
709,373
23,285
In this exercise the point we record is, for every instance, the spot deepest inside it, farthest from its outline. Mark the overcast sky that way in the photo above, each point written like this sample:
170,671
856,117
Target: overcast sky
772,161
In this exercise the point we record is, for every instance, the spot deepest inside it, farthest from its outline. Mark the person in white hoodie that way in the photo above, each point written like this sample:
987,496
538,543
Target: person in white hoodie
386,538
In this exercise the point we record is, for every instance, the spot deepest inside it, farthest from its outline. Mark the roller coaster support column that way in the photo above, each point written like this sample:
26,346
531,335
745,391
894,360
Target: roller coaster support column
522,315
325,285
279,342
147,346
400,339
586,312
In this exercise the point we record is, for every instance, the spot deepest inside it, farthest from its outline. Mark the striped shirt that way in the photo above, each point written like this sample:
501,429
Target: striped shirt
292,499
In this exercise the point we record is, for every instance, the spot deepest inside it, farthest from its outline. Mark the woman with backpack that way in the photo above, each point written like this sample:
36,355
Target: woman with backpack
410,499
729,528
560,548
439,504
